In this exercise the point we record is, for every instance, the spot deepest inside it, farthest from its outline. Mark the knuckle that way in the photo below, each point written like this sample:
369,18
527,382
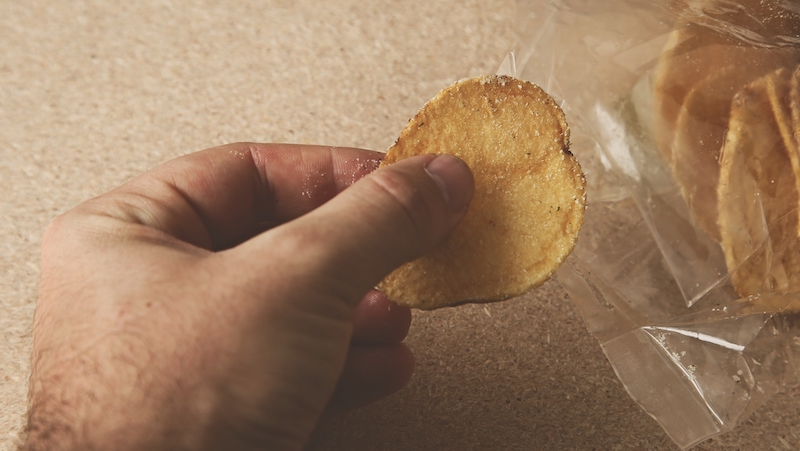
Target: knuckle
57,228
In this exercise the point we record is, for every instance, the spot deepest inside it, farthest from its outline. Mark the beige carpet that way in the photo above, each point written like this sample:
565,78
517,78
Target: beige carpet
94,92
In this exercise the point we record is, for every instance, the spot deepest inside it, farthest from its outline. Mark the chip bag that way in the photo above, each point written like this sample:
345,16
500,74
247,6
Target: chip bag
685,117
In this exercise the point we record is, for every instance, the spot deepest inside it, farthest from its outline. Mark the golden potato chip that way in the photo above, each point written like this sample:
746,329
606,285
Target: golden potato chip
699,131
530,193
697,77
743,36
692,54
759,188
684,63
794,105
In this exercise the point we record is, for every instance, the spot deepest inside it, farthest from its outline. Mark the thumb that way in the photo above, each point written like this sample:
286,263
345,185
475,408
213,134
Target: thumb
308,276
392,216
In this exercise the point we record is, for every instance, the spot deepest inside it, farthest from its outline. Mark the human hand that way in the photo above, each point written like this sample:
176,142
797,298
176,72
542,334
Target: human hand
214,302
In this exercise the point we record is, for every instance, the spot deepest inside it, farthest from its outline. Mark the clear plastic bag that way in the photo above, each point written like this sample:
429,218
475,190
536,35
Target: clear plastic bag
685,267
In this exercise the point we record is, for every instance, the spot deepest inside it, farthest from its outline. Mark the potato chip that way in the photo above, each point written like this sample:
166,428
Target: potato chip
692,54
699,131
759,188
529,201
743,36
698,74
794,105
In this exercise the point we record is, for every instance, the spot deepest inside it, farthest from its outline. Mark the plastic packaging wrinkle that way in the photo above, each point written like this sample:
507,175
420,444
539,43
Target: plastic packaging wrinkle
685,115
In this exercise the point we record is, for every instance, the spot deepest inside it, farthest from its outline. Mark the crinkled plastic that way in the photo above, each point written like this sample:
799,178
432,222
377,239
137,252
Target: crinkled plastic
672,127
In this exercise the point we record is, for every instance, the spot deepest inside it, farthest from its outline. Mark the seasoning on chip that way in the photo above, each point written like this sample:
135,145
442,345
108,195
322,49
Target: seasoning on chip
529,200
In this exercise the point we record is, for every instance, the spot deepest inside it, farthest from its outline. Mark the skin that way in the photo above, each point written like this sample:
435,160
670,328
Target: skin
224,300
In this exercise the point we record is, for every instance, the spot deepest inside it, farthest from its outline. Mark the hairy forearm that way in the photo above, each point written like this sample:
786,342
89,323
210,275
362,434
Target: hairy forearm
71,414
69,417
80,413
106,393
49,427
100,379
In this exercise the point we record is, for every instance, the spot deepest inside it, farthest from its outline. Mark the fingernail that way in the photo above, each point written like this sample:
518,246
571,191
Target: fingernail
454,179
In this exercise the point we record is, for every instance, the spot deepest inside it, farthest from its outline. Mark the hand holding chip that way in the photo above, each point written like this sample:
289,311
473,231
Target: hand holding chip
216,300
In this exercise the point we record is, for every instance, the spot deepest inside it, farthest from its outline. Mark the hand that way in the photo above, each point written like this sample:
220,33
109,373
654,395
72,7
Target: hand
214,302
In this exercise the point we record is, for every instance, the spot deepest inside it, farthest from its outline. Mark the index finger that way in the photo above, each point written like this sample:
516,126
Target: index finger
220,197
